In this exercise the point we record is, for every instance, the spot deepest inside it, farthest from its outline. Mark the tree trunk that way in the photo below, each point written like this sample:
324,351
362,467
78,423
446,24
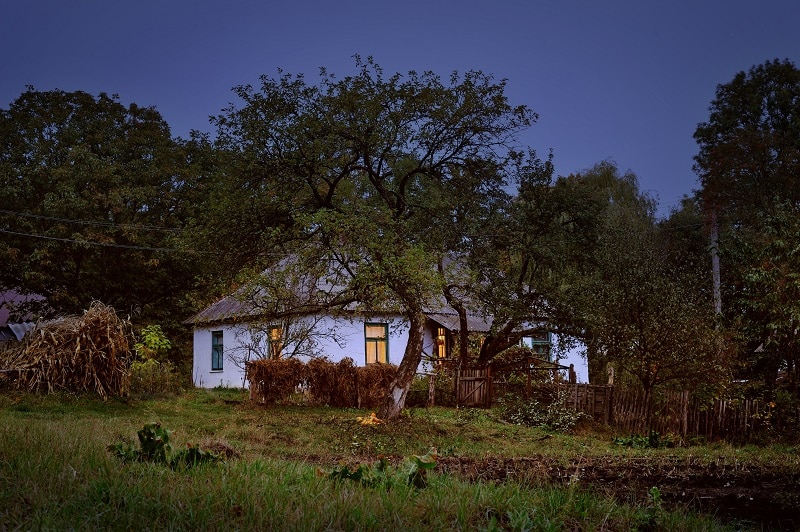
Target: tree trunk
398,390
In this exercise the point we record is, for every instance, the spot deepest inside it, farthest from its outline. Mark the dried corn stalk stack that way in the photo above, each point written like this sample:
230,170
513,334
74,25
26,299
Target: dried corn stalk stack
89,353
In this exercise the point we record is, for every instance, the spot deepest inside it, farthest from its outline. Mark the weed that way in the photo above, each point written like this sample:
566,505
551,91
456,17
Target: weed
154,447
532,413
413,473
652,441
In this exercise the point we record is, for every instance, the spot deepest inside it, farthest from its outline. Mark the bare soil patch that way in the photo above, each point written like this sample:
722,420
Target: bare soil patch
765,496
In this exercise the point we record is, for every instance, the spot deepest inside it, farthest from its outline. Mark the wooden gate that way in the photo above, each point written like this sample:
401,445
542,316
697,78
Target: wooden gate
474,387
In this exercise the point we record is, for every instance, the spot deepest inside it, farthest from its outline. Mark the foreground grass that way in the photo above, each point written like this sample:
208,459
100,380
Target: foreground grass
55,472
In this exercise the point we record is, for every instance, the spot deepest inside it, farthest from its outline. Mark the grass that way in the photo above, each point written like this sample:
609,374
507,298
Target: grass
55,472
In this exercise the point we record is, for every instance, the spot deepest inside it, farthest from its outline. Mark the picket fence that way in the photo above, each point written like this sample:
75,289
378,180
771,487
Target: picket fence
678,413
625,408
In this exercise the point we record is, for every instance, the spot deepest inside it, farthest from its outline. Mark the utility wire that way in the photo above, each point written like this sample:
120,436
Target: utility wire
89,222
95,243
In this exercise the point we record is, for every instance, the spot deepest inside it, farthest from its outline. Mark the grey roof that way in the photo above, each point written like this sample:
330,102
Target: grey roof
451,322
227,309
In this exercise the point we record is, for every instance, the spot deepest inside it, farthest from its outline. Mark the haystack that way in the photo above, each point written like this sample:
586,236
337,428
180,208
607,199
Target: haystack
89,353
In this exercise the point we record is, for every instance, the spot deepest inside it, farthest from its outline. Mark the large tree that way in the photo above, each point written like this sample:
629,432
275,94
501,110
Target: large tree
642,300
91,203
749,169
356,173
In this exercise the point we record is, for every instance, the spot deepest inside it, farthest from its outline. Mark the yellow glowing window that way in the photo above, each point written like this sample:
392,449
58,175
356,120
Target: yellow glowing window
376,336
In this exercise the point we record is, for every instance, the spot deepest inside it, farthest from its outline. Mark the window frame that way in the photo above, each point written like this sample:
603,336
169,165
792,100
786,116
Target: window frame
217,351
376,341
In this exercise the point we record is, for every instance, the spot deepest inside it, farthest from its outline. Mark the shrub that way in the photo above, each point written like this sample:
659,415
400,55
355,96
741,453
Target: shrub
153,378
154,447
532,413
373,382
341,385
654,440
345,391
444,389
321,380
274,380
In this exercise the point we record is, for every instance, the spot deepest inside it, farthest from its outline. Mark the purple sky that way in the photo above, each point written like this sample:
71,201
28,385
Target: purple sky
620,80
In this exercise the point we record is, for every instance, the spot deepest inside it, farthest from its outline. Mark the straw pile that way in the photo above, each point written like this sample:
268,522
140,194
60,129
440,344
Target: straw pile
89,353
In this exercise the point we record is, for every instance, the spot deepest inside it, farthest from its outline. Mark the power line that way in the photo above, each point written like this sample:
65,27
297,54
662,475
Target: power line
95,243
89,222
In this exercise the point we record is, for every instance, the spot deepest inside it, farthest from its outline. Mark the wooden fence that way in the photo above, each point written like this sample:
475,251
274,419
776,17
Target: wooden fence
474,387
625,409
595,401
678,413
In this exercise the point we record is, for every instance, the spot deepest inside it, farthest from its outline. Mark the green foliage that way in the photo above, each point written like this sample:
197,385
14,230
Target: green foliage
151,378
96,189
348,179
152,374
654,440
416,472
531,413
413,473
154,447
748,162
154,344
653,514
643,302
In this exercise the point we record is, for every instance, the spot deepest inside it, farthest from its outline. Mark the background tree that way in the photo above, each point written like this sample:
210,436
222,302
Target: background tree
748,164
92,204
355,173
643,302
771,299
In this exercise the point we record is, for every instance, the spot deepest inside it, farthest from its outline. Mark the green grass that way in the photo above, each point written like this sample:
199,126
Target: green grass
55,472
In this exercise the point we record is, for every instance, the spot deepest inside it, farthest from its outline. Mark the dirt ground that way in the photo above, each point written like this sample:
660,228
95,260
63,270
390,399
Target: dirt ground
764,497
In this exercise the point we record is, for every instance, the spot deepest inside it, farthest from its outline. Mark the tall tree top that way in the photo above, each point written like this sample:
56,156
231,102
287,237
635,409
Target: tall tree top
749,149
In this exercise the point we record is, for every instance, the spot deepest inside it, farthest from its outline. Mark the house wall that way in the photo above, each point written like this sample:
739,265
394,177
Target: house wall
237,338
239,341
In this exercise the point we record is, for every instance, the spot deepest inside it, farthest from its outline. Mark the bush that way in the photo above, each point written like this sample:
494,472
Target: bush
531,413
154,379
274,380
154,446
321,380
444,389
345,390
373,383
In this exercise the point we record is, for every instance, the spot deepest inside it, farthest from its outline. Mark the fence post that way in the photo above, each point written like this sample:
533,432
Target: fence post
431,389
610,396
489,387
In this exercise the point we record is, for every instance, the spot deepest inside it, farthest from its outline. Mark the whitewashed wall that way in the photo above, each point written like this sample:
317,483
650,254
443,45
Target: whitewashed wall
237,338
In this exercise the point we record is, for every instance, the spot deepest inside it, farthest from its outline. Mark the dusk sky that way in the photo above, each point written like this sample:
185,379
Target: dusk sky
621,80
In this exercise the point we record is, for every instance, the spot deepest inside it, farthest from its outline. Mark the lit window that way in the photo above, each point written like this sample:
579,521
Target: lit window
377,342
216,351
275,342
441,342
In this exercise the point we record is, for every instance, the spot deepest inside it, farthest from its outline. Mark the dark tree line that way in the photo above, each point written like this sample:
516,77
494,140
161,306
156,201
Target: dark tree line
403,190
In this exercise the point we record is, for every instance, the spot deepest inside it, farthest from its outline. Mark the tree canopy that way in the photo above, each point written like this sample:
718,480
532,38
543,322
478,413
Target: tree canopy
91,203
748,164
364,174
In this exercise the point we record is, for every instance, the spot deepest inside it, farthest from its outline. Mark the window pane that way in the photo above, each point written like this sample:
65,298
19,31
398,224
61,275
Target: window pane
376,345
376,331
381,351
216,350
372,352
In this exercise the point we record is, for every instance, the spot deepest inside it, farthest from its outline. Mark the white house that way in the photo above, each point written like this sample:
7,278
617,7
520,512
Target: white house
235,329
230,332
